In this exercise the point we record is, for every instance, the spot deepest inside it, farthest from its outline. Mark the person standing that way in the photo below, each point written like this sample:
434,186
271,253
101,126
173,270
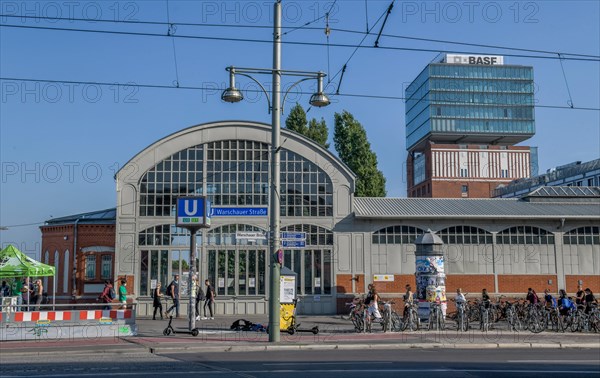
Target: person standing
199,296
105,296
4,290
38,294
16,291
123,294
373,309
408,299
209,300
173,291
579,296
26,293
157,303
532,297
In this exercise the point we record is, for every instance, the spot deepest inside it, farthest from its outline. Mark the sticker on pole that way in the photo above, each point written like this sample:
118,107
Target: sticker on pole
193,212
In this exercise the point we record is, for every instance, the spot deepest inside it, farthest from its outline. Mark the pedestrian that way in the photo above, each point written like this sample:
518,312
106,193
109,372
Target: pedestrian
38,294
589,300
549,300
209,300
408,299
579,296
532,297
123,294
4,290
373,309
17,285
199,297
173,292
460,297
107,295
26,293
485,298
157,303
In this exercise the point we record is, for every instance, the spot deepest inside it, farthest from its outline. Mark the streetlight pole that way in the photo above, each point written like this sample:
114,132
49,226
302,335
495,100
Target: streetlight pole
274,245
318,99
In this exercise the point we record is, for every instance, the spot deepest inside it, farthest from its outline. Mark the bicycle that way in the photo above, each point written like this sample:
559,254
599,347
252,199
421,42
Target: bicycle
484,316
436,317
411,318
462,321
510,313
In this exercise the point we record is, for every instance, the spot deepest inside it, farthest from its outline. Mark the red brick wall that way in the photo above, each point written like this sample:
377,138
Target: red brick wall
344,283
396,286
518,283
469,283
592,282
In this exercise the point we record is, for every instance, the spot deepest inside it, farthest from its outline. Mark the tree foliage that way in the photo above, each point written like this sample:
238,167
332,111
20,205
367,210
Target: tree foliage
296,120
350,142
315,130
318,131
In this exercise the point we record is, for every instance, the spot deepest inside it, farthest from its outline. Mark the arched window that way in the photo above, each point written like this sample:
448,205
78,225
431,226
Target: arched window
226,235
56,264
465,235
66,273
166,235
528,235
179,174
396,235
582,236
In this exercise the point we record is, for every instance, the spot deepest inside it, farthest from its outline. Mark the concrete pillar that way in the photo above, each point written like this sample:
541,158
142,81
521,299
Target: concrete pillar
430,274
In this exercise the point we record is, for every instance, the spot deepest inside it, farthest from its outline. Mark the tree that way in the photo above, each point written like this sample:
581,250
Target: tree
296,120
350,142
317,131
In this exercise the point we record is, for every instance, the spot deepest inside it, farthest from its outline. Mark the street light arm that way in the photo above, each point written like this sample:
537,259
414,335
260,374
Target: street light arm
290,88
261,87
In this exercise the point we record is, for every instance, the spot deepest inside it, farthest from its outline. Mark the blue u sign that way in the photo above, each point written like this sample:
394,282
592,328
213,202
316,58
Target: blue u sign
193,212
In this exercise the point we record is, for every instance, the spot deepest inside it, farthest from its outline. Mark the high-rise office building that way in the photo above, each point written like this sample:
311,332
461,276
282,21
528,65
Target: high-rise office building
464,115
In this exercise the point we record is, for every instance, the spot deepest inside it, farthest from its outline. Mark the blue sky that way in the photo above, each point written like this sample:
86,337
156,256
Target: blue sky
60,143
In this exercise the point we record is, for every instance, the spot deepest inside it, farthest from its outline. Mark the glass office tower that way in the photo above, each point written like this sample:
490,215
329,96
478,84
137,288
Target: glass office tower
467,104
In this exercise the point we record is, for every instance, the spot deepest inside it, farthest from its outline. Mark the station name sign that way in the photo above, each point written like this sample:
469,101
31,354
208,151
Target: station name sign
486,60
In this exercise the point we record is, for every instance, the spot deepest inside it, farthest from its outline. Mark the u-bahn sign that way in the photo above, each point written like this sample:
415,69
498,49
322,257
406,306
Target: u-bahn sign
193,212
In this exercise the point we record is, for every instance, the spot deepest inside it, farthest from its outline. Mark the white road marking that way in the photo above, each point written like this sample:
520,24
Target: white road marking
325,363
557,361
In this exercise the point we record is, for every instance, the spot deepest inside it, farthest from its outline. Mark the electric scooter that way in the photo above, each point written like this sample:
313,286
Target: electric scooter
171,330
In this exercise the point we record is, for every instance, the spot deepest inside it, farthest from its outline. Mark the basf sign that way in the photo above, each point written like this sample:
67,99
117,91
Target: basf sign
486,60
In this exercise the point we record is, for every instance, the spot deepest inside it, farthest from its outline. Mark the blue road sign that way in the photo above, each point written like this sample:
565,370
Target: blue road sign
286,243
193,212
239,212
293,235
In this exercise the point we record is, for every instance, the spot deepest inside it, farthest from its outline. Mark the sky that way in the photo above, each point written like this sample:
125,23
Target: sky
61,142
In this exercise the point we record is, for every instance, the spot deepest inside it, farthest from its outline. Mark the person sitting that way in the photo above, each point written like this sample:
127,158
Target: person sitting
589,300
531,297
565,304
549,300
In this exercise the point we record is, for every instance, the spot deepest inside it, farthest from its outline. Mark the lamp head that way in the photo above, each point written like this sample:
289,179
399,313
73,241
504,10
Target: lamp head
232,94
319,99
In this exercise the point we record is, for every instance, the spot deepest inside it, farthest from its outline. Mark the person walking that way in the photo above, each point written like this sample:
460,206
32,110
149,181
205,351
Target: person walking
123,294
173,292
157,301
199,295
209,300
373,309
107,295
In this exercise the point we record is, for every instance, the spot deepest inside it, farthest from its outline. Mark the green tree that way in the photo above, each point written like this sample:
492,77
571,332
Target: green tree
317,131
350,142
296,120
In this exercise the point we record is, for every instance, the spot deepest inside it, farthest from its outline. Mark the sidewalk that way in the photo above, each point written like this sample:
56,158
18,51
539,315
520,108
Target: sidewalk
334,333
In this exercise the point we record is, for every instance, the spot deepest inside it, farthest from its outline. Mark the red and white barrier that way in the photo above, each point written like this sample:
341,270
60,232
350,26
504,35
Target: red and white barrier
34,316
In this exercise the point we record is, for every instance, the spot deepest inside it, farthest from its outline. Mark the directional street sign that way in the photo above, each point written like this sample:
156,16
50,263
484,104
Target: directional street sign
286,235
286,243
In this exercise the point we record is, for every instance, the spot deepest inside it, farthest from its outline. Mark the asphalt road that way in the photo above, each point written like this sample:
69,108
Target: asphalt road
326,363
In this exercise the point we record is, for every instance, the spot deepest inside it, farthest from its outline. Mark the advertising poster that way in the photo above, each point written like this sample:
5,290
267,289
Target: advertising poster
287,289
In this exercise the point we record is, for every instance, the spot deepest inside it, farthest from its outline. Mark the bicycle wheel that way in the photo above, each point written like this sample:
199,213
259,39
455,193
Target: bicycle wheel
440,319
358,323
396,321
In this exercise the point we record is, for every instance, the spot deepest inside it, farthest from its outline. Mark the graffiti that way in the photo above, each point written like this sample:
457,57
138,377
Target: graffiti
38,331
105,321
124,330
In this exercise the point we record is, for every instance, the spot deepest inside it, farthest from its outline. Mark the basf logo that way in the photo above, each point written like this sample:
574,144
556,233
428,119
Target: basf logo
488,60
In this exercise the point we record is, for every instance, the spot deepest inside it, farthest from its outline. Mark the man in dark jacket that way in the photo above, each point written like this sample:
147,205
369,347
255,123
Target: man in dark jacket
209,300
105,295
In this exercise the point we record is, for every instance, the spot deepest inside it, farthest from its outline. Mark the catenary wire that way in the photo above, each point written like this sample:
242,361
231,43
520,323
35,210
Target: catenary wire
249,40
135,22
160,86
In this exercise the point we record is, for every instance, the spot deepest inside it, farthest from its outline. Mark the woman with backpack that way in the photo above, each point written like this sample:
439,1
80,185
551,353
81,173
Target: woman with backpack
565,304
107,295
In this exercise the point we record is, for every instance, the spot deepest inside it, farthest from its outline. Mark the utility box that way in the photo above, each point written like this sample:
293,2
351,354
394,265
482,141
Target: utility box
287,298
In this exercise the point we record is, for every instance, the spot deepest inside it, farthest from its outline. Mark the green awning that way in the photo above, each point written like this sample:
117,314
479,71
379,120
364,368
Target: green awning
14,263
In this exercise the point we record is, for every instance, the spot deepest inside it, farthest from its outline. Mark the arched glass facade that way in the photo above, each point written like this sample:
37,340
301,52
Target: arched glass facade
465,235
236,173
528,235
582,236
397,235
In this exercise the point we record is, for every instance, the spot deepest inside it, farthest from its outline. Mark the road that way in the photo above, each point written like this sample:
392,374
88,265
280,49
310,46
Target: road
326,363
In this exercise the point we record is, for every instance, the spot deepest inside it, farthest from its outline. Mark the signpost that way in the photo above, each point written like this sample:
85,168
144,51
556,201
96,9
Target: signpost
192,213
294,240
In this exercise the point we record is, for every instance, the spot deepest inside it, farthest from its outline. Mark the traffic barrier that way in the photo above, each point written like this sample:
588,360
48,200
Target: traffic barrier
34,316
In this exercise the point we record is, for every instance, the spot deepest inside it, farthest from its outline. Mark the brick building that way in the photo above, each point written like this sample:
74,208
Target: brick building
80,275
464,115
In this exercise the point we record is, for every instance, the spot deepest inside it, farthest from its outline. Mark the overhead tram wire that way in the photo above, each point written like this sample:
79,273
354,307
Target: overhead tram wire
160,86
248,40
301,27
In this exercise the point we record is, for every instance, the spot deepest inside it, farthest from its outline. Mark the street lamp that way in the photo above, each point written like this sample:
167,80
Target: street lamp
319,99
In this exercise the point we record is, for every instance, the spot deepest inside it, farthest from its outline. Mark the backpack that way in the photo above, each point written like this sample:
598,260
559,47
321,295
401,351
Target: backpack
170,289
200,295
111,293
568,304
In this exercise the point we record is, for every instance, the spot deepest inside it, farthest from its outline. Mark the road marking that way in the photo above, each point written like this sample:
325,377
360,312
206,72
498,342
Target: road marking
556,361
325,363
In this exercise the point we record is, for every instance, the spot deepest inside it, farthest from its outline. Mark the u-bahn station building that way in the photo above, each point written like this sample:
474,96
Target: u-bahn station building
549,238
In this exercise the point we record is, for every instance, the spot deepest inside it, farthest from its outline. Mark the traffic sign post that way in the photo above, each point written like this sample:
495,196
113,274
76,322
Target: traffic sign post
192,213
286,243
